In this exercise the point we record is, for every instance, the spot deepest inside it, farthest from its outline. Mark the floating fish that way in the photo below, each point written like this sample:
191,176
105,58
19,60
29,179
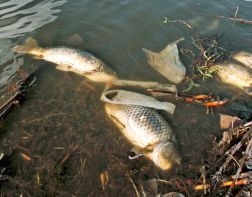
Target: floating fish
244,58
69,59
147,131
237,74
167,62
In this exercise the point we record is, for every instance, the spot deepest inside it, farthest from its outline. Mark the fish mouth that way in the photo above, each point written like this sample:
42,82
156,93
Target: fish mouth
165,155
98,76
15,49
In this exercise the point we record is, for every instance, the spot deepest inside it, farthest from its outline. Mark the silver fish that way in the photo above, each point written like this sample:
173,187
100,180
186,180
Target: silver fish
237,75
146,130
69,59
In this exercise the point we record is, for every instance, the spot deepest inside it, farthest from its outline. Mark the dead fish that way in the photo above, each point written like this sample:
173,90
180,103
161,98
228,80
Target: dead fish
244,58
146,130
69,59
237,75
167,62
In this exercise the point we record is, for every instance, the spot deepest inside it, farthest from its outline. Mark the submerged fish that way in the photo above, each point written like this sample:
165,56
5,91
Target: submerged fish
237,75
146,130
69,59
244,58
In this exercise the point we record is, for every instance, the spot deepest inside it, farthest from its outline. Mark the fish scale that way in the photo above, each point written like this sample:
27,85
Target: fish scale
148,131
145,126
84,61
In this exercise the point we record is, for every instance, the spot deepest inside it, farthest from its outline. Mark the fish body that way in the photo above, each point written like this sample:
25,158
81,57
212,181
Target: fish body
79,60
244,58
69,59
237,75
146,130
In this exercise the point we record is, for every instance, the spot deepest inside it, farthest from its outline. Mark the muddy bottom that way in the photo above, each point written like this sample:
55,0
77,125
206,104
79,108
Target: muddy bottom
64,145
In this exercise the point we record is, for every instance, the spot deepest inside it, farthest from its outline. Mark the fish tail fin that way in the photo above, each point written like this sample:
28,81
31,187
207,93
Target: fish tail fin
30,46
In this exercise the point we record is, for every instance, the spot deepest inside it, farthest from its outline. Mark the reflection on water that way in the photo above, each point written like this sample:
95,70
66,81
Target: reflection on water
17,18
20,17
8,67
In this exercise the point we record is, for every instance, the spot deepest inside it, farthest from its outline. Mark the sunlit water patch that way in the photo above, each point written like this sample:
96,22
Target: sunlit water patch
20,17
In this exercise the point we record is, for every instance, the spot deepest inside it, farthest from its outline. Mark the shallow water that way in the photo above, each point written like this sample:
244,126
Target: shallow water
64,109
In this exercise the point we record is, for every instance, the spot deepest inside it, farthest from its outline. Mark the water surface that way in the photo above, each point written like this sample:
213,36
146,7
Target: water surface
64,110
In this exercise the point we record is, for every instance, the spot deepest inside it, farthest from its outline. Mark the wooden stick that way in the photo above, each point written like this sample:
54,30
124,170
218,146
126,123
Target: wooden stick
240,20
145,85
62,161
225,184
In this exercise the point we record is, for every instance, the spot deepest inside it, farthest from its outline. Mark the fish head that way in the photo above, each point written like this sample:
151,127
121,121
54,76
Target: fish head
102,74
165,155
102,77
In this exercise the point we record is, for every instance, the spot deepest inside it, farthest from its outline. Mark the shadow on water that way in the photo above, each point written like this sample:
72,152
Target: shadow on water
61,136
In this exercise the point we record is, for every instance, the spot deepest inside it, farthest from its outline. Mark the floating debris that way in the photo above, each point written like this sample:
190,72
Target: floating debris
227,122
104,178
211,52
133,98
233,154
19,94
167,62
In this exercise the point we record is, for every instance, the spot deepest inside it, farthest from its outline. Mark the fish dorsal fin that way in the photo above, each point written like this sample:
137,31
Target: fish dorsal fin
32,43
171,49
30,46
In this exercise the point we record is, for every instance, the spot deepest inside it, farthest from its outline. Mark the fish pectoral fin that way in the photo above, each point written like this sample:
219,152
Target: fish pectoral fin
118,122
64,67
138,150
39,57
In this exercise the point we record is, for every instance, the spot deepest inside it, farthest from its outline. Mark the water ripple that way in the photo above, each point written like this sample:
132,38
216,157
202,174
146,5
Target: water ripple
20,17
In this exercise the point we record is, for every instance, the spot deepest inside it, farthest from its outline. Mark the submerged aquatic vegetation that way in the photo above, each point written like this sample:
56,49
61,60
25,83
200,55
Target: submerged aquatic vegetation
211,52
207,72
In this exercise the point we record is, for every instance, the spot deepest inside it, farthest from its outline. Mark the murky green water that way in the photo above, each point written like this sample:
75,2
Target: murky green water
64,112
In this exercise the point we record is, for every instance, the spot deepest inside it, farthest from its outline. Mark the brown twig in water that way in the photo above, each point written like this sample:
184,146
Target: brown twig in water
203,176
62,161
167,182
45,117
167,20
240,20
236,12
137,192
